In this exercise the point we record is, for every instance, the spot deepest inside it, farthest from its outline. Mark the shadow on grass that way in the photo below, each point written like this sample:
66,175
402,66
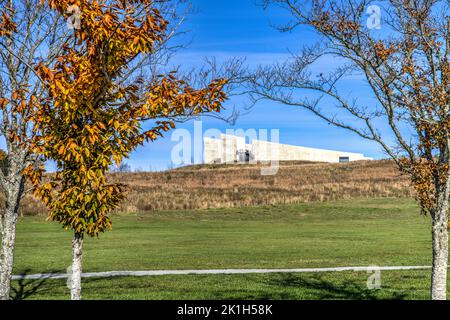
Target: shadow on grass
322,289
25,288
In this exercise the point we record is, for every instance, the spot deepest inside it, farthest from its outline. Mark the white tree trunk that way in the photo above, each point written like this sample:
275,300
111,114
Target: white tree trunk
13,193
77,257
7,253
440,248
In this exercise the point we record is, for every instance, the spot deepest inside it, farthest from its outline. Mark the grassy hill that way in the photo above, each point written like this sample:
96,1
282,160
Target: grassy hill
229,186
225,186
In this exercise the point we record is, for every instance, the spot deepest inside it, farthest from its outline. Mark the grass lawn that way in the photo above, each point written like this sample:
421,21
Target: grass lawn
333,285
344,233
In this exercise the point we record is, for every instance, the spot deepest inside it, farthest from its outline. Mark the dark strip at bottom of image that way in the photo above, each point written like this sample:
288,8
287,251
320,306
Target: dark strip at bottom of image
230,309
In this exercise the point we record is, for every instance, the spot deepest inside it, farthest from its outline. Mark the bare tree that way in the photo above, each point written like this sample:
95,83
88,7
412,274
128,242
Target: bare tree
28,33
406,66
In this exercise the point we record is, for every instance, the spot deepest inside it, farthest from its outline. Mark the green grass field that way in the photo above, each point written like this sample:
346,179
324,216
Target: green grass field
382,232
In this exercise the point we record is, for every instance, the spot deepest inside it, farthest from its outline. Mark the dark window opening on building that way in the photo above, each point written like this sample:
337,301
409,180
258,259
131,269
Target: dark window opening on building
244,156
344,159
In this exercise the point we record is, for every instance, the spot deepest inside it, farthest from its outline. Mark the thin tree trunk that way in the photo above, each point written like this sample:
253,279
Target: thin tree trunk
13,189
440,248
7,250
77,257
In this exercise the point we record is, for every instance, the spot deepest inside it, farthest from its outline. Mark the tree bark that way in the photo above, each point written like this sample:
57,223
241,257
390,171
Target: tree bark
440,247
7,248
77,257
7,254
13,195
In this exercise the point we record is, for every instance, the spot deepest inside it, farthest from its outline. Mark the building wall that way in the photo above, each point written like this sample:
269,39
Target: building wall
212,150
227,148
269,151
230,147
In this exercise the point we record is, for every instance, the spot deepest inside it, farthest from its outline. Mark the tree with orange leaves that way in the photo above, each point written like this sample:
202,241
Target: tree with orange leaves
93,115
47,57
405,65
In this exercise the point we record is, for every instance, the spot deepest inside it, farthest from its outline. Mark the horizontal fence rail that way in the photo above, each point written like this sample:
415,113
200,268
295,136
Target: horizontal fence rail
109,274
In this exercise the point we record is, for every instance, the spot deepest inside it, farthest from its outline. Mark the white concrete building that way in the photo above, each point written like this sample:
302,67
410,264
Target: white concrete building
233,149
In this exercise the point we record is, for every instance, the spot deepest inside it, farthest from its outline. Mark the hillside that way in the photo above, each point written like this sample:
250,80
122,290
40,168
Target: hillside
224,186
214,186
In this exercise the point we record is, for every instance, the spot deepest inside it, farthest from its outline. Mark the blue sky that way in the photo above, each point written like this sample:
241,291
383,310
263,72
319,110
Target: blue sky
241,28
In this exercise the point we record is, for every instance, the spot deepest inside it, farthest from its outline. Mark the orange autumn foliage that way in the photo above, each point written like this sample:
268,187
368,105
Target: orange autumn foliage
93,118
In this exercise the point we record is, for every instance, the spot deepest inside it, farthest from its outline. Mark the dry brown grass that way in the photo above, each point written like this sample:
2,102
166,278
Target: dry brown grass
222,186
